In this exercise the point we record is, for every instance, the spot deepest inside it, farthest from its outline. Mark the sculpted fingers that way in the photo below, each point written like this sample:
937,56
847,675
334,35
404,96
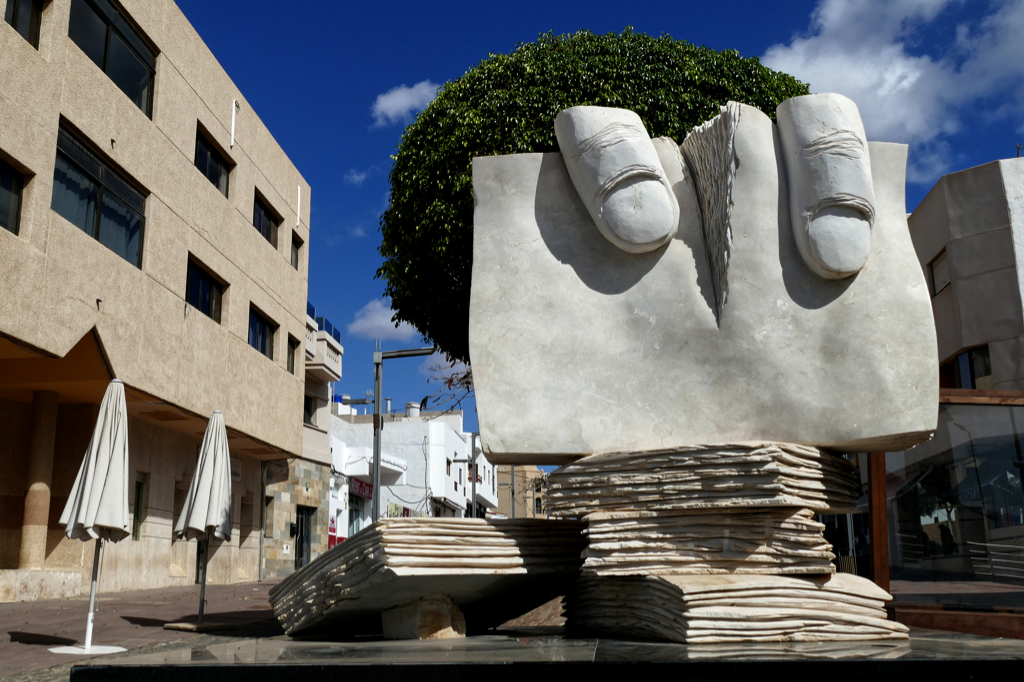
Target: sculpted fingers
616,171
831,196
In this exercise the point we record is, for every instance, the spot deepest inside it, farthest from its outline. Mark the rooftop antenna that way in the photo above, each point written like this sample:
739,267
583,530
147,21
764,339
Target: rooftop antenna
1018,150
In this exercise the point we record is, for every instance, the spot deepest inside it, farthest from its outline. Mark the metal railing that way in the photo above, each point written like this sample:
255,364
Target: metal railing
325,325
996,560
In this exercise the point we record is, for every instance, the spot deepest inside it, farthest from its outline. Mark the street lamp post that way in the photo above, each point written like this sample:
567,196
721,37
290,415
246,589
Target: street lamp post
378,423
472,444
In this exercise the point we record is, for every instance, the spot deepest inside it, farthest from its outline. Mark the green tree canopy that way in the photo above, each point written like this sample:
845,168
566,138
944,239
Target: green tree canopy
507,105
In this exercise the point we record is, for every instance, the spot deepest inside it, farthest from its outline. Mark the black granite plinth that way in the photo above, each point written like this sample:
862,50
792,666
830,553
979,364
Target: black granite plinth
531,656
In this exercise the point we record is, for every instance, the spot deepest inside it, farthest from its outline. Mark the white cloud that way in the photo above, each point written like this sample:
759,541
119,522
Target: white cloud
356,232
866,50
398,104
355,177
373,321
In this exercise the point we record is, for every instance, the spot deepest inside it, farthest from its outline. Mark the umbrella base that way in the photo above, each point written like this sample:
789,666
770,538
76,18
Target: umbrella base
95,650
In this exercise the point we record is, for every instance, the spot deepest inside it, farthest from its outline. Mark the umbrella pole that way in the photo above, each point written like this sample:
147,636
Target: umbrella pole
92,593
202,590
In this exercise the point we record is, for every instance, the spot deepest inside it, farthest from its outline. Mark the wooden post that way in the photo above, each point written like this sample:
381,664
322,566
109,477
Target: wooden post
879,521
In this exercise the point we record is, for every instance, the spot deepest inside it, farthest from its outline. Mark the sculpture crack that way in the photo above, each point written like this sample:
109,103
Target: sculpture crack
711,156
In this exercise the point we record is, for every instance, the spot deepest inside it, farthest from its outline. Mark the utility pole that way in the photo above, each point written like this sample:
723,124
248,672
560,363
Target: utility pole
472,443
512,488
379,357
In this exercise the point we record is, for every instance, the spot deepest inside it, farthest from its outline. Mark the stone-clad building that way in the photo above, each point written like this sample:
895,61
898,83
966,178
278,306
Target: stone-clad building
151,229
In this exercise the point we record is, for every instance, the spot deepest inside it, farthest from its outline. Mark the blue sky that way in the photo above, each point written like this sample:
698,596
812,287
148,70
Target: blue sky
336,83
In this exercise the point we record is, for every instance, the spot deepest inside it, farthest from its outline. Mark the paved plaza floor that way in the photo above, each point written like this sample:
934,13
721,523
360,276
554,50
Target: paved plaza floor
133,620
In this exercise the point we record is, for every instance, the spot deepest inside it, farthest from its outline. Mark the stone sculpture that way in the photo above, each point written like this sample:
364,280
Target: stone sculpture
749,303
396,574
729,331
696,329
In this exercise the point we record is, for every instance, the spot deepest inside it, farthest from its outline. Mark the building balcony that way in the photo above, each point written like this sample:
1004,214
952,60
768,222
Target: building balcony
325,366
359,465
311,332
485,496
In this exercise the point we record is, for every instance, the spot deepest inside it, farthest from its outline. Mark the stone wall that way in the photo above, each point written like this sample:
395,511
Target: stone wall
299,483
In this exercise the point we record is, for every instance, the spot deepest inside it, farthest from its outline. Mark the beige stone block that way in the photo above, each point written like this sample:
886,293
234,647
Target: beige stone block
432,617
18,585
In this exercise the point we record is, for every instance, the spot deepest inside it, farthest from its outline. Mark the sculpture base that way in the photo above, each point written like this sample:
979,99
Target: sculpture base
927,656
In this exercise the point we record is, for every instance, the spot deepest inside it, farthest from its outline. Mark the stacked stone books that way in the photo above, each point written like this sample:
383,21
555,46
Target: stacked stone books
700,477
734,608
492,570
776,541
715,544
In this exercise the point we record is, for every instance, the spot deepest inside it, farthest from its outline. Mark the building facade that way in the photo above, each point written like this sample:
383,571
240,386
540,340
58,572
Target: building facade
297,498
521,492
956,503
969,236
152,230
425,467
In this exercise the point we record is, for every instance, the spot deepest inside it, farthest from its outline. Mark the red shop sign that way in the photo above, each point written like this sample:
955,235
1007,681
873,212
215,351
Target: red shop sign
361,489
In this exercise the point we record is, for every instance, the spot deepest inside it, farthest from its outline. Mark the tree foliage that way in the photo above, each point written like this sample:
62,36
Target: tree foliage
507,105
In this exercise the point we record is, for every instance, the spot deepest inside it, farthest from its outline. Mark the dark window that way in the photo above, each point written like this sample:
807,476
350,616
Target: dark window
940,273
309,410
538,506
211,163
103,33
24,16
138,507
203,291
264,220
971,369
11,182
296,248
293,348
261,334
95,198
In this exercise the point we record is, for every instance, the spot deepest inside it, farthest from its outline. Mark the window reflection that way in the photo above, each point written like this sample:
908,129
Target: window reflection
957,502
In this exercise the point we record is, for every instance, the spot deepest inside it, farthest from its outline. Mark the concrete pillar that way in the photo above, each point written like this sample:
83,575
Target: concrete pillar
40,471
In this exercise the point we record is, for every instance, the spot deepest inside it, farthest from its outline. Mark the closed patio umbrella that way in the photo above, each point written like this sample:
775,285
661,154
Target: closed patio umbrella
97,508
207,508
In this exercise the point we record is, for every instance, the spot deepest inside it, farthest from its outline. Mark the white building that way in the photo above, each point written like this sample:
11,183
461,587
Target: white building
435,452
351,487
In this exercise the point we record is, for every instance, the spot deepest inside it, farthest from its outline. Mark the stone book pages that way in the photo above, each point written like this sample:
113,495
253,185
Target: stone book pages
724,334
780,541
750,608
492,570
721,477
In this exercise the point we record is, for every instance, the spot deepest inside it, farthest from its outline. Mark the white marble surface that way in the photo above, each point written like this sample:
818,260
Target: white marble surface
578,347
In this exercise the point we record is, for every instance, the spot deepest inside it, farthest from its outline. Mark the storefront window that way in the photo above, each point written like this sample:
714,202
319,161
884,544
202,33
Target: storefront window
356,514
956,503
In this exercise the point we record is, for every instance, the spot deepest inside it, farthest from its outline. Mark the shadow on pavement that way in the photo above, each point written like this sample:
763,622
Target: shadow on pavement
146,622
33,638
